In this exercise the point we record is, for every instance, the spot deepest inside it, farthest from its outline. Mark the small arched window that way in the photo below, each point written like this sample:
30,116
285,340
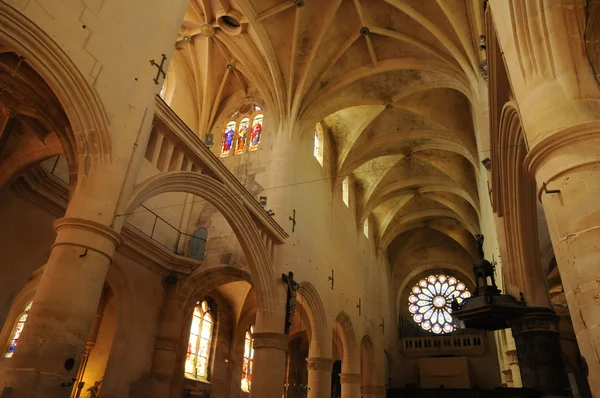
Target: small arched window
345,192
199,343
366,228
18,329
318,144
248,359
242,136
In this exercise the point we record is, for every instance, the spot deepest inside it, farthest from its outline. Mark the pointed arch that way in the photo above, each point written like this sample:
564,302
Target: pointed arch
320,342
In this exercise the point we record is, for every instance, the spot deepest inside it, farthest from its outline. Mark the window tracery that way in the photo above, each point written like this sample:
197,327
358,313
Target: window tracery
248,360
430,302
16,334
200,342
243,131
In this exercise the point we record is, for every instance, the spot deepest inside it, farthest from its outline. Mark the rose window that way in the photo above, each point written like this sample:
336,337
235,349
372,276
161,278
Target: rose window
430,301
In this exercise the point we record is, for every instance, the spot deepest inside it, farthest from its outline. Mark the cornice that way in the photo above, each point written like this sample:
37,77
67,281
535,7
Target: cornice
278,341
542,150
195,147
88,234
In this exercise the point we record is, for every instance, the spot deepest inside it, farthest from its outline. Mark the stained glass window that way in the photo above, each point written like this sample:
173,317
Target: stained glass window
242,136
199,343
431,299
17,331
248,359
256,133
345,195
228,136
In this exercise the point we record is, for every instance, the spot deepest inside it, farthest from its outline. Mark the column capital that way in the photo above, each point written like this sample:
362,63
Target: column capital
350,378
543,321
319,364
512,357
278,341
87,234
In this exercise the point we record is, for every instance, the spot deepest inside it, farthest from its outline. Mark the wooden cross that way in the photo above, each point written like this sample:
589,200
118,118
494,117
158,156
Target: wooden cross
160,71
293,220
293,287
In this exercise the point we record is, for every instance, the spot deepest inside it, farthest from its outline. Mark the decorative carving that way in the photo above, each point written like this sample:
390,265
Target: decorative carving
350,378
508,377
512,357
207,30
277,341
535,322
319,364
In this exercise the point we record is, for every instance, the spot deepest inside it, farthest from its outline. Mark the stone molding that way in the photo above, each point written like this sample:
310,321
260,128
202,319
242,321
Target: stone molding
373,390
278,341
508,375
350,378
87,234
319,364
541,151
536,322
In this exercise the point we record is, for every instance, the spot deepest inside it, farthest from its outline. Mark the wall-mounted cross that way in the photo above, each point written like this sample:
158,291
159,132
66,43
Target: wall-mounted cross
382,325
359,306
160,71
293,220
331,279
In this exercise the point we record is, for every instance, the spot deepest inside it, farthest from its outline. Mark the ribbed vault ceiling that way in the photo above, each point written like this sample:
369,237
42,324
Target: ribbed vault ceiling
391,81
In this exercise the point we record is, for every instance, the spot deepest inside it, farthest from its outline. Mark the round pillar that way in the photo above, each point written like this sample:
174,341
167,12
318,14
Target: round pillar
350,385
268,373
566,167
319,377
46,360
537,340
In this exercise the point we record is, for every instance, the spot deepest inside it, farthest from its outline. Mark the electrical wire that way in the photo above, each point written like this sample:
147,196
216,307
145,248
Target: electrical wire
314,180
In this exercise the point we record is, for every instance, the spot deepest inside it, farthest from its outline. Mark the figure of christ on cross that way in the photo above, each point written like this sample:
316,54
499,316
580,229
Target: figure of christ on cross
293,287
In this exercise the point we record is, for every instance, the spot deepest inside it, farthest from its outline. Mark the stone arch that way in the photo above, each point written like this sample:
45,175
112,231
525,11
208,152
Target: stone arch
351,355
235,213
515,201
320,340
368,365
88,143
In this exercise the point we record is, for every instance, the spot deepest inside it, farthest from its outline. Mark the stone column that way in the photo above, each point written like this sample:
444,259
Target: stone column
350,385
537,340
319,377
373,392
268,373
64,308
515,370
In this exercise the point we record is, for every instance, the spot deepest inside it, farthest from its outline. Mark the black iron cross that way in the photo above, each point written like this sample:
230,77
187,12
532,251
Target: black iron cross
293,220
359,306
160,71
331,279
382,325
293,287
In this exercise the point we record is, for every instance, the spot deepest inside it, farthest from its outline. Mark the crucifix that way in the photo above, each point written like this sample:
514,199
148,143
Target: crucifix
160,71
293,220
359,306
293,287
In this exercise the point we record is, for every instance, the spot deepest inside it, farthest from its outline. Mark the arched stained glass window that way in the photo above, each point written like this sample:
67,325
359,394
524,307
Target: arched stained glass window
257,126
248,359
228,136
199,343
242,136
431,299
244,131
14,338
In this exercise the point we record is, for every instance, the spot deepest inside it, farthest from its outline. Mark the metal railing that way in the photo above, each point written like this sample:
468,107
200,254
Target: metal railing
166,234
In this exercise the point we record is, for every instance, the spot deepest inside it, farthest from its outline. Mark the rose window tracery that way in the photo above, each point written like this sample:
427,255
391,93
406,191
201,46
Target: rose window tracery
430,302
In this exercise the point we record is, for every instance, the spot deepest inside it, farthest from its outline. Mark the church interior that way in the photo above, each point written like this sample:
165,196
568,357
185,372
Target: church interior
299,198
